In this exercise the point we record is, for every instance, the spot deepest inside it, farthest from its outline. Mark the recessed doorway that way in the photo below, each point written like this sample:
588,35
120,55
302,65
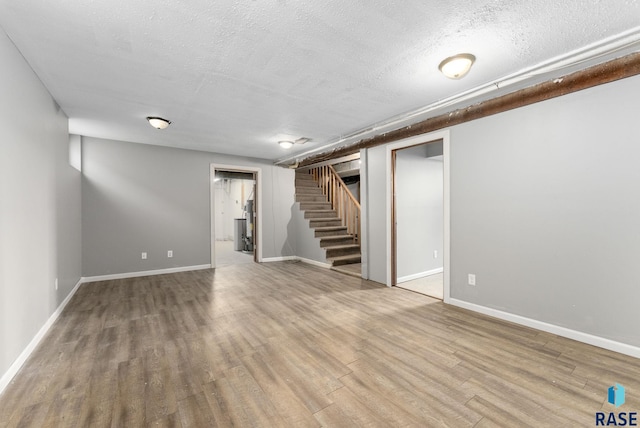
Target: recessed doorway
235,227
418,213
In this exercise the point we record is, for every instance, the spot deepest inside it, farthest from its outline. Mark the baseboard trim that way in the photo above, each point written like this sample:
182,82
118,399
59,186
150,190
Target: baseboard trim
279,259
296,258
26,353
143,273
419,275
315,263
579,336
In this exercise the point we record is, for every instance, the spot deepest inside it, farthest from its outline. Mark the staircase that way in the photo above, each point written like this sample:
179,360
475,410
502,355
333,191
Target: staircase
341,247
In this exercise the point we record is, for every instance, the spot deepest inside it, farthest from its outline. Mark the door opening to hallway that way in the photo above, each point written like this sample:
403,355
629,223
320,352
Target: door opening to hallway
418,218
234,217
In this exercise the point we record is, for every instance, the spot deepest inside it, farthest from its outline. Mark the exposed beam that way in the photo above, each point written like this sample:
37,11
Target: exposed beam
607,72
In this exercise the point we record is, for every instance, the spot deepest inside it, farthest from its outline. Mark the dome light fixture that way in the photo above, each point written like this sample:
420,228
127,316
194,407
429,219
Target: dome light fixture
285,144
457,66
158,122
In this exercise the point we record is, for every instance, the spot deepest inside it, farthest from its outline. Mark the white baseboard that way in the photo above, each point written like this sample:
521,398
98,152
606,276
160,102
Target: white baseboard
279,259
296,258
419,275
315,263
144,273
590,339
17,364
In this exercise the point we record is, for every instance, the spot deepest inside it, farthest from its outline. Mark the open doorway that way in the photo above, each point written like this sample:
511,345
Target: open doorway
391,241
418,213
234,215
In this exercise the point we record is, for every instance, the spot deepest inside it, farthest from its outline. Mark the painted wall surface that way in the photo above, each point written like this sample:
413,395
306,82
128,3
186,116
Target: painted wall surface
148,198
39,206
307,245
376,211
354,188
545,211
419,211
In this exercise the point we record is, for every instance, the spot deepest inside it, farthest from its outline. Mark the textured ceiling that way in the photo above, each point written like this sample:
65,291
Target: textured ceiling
233,75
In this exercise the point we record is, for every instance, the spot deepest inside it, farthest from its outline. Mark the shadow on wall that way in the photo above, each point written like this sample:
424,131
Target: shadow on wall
289,247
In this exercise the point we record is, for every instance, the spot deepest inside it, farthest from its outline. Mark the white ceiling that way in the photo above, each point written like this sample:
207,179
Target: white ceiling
232,75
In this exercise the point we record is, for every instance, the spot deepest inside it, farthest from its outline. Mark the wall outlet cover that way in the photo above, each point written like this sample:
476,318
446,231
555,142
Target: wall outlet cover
472,279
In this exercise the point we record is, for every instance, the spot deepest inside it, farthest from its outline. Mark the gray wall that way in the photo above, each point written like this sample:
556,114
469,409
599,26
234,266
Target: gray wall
545,211
375,209
39,206
419,211
148,198
306,244
354,188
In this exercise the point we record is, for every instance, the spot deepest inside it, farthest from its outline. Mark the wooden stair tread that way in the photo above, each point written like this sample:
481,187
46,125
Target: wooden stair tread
308,190
343,247
316,205
336,237
331,221
356,258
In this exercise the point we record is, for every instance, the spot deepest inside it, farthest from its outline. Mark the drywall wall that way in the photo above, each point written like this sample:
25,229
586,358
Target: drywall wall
354,188
544,211
307,245
375,209
39,207
419,211
148,198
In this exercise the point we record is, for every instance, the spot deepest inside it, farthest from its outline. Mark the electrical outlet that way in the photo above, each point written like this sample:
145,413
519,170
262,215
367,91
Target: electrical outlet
435,254
55,283
472,279
170,253
144,256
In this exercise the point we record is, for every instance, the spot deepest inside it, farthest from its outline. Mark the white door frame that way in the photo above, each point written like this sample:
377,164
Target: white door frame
258,202
413,141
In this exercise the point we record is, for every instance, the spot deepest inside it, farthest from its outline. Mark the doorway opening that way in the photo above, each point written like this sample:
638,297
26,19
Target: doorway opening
234,216
419,212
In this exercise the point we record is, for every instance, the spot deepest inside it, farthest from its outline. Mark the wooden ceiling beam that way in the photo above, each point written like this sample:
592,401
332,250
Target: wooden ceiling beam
600,74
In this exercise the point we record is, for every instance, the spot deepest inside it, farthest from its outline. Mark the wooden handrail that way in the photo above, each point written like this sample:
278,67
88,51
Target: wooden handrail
341,181
342,200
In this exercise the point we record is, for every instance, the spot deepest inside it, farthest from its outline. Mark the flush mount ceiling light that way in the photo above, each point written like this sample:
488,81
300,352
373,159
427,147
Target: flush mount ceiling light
287,144
158,122
455,67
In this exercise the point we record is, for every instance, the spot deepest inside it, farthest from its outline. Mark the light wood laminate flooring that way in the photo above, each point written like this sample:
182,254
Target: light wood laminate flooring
291,345
226,255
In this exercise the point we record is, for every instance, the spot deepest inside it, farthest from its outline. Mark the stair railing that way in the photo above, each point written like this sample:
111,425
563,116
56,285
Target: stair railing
341,198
